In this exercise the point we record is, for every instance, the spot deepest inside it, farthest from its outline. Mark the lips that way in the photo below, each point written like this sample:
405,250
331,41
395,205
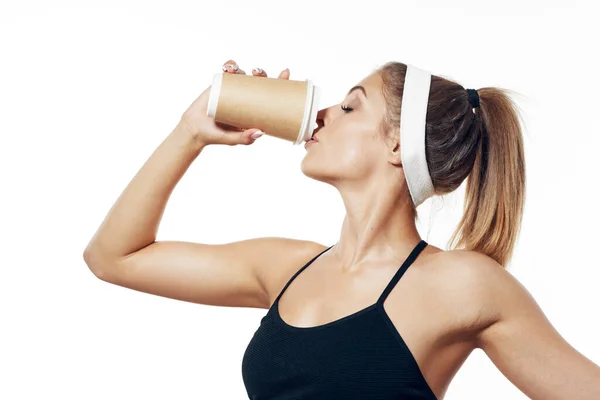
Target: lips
314,137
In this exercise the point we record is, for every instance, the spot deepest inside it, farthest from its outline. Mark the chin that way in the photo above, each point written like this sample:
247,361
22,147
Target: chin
313,169
319,171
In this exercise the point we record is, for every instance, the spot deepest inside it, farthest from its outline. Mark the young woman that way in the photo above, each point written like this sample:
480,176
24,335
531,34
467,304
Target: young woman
353,321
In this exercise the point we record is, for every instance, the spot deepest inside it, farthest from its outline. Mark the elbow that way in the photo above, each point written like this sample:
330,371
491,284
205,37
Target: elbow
95,262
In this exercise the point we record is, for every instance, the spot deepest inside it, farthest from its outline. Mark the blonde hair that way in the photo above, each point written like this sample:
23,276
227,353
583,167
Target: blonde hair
484,147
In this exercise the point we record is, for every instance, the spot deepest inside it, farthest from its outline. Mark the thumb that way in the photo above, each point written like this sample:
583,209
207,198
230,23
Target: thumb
247,136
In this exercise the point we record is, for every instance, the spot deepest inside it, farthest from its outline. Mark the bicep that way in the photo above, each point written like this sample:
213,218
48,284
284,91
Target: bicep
213,274
531,353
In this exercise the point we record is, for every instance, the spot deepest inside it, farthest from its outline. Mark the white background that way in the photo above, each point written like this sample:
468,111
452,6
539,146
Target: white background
89,89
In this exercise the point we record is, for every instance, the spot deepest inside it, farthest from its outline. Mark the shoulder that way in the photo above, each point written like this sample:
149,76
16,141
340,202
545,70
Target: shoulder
471,264
516,334
292,251
469,268
282,257
473,283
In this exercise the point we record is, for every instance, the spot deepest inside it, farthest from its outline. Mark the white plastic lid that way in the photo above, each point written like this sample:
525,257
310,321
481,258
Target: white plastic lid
213,98
309,122
315,109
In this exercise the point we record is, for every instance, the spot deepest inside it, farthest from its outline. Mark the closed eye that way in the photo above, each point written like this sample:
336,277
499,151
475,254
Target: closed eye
346,108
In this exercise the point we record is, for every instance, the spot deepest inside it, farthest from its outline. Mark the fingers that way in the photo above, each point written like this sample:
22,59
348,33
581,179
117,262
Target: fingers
232,135
231,67
259,72
246,136
285,74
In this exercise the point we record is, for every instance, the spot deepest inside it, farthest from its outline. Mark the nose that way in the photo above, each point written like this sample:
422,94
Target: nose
324,116
321,118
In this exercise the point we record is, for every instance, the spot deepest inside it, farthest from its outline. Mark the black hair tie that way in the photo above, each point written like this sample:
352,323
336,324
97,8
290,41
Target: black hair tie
473,97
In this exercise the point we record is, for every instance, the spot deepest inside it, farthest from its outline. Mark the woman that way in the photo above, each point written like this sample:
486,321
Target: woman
359,323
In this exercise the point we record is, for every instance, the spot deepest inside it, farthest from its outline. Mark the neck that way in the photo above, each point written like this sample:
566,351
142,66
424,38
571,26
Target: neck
378,227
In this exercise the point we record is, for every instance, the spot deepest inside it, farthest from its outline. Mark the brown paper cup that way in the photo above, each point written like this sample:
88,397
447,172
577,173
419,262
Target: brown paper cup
282,108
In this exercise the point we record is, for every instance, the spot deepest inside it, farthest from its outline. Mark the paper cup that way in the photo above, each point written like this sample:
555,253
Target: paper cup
282,108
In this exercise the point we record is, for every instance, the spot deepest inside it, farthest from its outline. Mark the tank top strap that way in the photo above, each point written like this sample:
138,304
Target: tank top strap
298,273
409,260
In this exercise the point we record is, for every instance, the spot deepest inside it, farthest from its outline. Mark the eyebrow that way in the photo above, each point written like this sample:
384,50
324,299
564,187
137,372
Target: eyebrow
357,87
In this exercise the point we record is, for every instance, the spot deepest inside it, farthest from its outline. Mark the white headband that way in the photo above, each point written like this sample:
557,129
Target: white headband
412,133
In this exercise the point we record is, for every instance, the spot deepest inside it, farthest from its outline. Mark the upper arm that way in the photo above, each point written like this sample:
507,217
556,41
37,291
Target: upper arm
237,274
527,349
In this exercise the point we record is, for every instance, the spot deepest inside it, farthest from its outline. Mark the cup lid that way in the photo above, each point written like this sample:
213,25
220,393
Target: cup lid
213,97
314,110
309,121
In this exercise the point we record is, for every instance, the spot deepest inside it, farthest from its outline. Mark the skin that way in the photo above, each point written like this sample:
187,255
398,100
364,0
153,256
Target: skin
469,300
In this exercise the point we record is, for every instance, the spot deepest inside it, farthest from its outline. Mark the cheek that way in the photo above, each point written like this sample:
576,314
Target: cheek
356,151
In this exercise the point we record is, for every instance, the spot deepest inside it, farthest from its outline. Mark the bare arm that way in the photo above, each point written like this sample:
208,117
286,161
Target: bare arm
525,346
124,250
132,222
248,273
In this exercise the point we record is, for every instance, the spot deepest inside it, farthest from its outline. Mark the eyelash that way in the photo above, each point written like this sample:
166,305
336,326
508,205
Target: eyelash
346,108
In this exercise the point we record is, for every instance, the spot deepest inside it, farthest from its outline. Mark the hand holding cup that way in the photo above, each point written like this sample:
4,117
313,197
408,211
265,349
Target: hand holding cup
206,130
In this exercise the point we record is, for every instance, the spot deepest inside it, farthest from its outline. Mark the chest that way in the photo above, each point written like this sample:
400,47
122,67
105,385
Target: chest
358,356
369,335
414,304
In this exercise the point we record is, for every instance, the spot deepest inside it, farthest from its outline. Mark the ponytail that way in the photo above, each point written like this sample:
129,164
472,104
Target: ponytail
483,145
495,189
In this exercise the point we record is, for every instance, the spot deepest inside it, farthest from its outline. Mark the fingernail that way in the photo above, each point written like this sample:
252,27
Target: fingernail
227,67
257,134
258,70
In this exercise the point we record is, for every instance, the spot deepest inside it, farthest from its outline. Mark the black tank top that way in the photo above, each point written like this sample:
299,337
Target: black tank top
360,356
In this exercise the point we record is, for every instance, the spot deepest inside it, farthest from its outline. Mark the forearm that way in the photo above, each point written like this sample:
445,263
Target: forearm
133,220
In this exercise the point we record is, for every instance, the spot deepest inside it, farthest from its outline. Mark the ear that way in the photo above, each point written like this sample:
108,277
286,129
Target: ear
394,149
